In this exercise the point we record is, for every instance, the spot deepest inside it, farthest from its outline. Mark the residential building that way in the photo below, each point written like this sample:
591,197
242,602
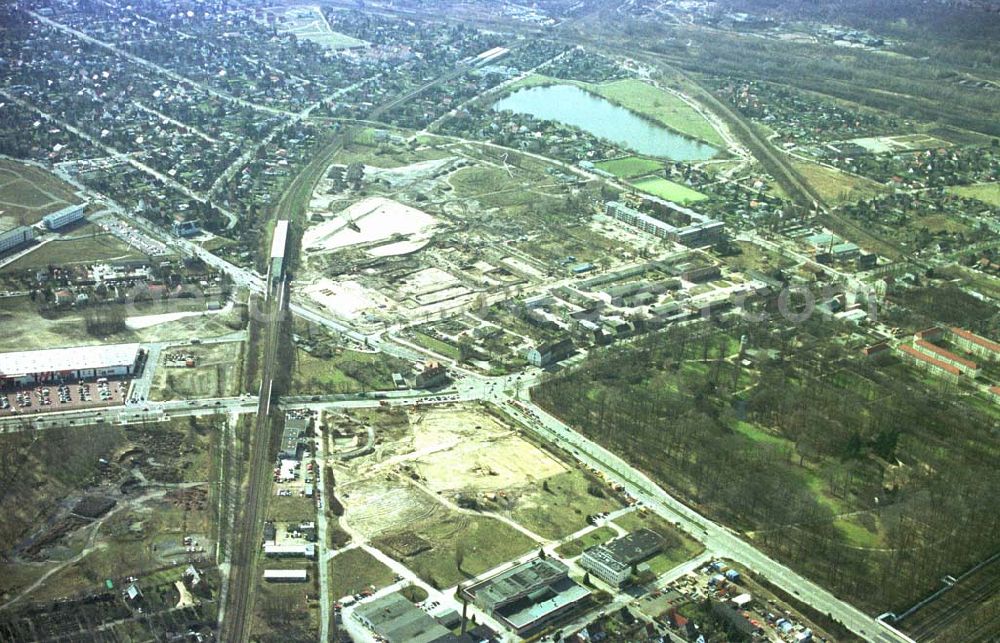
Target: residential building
694,231
935,366
15,238
933,350
550,353
974,344
64,217
434,375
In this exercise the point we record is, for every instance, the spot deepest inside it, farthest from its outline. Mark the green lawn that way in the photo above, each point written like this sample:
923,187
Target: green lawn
661,106
564,507
985,192
356,570
433,344
642,98
575,547
669,190
629,166
84,250
835,186
346,371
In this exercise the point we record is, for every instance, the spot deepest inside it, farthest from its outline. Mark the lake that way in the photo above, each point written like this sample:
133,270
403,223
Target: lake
602,118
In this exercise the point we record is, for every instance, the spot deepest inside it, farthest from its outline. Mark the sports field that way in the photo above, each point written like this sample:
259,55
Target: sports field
629,166
669,190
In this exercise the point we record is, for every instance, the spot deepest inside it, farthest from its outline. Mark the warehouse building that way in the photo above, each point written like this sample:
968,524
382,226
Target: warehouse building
285,575
305,550
64,217
15,238
397,620
27,368
613,562
528,596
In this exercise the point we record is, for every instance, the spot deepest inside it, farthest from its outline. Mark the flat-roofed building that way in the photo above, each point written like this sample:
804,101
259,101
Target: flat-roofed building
294,436
397,620
27,368
305,550
613,561
64,217
285,575
528,596
15,238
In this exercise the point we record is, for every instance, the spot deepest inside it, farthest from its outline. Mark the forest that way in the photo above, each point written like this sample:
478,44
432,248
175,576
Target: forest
844,469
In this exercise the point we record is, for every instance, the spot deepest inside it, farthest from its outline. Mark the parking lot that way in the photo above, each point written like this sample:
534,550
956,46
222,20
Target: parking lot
68,396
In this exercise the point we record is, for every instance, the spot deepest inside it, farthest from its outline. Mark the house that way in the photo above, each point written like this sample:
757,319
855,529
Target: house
433,376
550,353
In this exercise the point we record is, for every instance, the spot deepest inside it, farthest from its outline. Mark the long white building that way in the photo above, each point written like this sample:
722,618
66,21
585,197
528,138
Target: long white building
25,368
16,237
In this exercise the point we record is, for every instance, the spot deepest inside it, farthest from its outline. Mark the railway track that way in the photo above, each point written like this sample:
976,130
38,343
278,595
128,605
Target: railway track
248,530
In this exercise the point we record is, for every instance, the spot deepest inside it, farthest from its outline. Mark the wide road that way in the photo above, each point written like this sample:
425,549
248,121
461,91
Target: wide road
249,526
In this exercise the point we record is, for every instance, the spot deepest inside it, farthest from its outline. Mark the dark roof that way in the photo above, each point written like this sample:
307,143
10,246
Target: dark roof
635,546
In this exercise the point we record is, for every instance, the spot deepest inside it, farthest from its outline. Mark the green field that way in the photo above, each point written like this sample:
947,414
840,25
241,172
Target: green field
356,570
669,190
101,247
645,99
596,537
561,507
345,371
985,192
629,166
661,106
835,186
27,193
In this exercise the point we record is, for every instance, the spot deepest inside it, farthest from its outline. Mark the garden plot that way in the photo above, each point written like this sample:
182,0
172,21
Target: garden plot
368,222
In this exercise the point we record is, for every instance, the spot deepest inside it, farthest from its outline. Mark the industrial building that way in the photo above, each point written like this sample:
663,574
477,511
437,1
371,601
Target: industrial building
974,344
26,368
397,620
305,550
64,217
15,238
294,435
696,229
285,575
528,596
613,562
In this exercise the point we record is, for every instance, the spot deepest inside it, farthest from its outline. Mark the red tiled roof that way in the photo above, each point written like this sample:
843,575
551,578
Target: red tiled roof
976,339
912,352
995,390
946,355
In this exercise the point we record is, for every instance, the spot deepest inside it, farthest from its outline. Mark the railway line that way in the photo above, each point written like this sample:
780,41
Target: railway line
248,529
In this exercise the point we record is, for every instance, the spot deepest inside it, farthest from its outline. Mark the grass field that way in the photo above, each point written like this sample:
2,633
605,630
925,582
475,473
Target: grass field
479,543
834,186
215,374
630,166
575,547
345,372
642,98
669,190
985,192
661,106
356,570
441,348
564,507
100,247
27,193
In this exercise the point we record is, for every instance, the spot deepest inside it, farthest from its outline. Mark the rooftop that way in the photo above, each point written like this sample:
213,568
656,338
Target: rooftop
912,352
976,339
399,620
56,360
945,354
